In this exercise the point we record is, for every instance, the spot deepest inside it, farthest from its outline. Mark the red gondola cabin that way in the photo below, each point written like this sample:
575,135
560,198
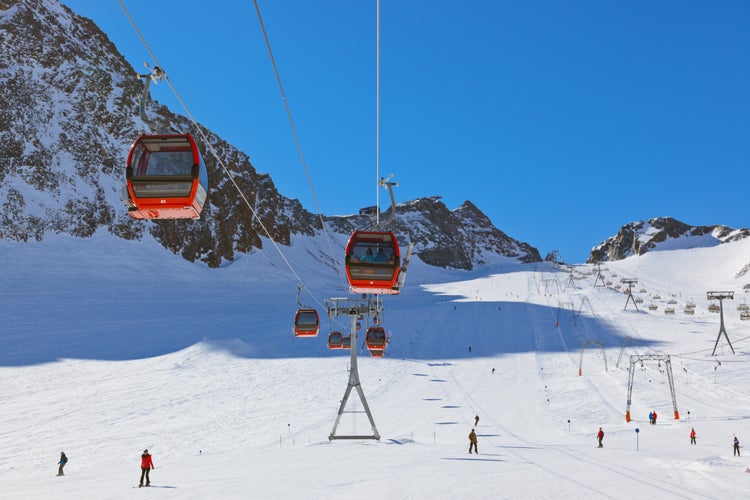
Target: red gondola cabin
336,340
166,178
375,338
372,262
306,323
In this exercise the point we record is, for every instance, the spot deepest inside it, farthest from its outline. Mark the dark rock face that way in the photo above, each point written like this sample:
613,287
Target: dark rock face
457,238
69,114
637,238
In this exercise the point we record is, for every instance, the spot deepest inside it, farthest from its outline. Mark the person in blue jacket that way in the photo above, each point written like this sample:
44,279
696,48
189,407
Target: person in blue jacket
61,463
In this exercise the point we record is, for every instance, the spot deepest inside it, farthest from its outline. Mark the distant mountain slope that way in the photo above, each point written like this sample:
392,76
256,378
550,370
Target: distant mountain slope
69,115
661,233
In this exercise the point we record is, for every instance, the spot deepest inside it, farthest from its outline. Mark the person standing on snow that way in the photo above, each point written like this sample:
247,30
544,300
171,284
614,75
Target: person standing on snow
473,441
599,437
146,465
651,418
476,420
692,436
736,446
61,463
654,422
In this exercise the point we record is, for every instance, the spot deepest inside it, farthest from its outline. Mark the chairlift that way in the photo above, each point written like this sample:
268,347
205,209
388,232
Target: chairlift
166,178
742,306
373,262
714,308
306,323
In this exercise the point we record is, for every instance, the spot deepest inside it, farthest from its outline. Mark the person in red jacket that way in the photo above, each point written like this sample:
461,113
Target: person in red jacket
599,437
692,436
146,465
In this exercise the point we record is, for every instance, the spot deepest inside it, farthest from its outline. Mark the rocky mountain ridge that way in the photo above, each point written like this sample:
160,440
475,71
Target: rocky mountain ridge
69,113
661,233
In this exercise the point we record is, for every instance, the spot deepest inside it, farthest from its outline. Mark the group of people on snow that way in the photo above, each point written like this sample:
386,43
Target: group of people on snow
693,435
147,464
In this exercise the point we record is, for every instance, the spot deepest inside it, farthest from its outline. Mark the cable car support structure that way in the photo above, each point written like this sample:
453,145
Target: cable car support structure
337,307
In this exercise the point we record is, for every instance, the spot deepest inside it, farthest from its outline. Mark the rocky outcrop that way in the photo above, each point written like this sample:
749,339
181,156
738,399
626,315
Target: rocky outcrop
637,238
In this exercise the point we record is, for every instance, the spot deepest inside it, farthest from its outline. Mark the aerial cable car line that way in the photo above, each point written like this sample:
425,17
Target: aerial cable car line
210,147
297,141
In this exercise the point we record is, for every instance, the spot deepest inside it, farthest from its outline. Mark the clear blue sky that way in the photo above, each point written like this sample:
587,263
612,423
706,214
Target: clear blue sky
561,120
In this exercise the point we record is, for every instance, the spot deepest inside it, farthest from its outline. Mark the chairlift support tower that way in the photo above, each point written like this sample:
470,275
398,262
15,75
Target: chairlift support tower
599,275
571,282
630,282
353,309
720,296
635,358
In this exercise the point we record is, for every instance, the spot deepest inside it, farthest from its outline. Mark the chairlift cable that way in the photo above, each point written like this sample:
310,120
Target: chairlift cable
214,152
297,141
377,120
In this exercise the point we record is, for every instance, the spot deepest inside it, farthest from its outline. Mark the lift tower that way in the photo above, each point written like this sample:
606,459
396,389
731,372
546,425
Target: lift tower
720,296
630,282
634,358
354,309
599,275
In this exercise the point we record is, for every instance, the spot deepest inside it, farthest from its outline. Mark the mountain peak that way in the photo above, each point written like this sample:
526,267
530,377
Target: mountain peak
661,233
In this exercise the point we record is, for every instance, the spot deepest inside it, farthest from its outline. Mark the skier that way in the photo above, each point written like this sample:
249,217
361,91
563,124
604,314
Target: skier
599,437
736,446
651,418
146,465
654,422
473,441
61,463
476,420
692,436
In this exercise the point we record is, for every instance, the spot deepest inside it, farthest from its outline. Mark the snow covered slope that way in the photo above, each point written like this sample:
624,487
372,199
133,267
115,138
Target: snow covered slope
111,346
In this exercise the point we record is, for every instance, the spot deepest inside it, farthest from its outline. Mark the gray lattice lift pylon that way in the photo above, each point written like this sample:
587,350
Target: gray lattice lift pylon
634,358
720,296
353,310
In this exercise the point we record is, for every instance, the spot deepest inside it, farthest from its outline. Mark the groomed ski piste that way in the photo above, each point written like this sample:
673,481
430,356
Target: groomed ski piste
109,347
